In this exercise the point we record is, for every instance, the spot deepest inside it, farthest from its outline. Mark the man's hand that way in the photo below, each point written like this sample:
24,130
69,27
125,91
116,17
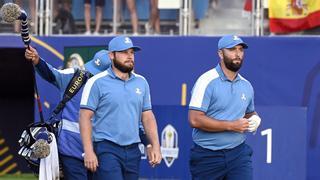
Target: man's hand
32,55
254,123
241,125
154,155
91,161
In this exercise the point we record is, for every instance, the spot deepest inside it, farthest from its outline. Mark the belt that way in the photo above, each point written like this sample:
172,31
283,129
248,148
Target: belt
133,145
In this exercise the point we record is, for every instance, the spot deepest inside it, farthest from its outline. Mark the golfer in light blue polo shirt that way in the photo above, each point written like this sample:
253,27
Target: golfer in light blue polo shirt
112,105
221,111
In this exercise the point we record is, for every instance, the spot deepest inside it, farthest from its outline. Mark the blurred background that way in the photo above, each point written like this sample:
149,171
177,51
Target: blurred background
173,17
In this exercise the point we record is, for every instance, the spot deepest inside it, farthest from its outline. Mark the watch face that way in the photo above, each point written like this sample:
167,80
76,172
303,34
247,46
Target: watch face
75,61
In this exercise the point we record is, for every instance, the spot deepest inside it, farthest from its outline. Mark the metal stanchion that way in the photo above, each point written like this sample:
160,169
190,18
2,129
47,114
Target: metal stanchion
115,16
181,19
36,20
46,18
257,19
51,17
186,17
190,17
253,12
41,5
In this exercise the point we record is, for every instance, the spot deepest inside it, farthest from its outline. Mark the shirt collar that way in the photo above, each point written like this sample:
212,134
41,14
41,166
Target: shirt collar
223,76
113,75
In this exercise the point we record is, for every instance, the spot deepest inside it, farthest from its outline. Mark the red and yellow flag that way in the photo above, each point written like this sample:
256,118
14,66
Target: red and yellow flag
287,16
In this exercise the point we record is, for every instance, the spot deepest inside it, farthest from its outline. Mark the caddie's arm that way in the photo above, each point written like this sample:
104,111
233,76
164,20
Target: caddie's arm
151,129
32,55
45,70
90,158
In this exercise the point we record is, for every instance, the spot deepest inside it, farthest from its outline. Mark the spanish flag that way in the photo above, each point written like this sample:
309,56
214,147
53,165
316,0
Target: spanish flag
287,16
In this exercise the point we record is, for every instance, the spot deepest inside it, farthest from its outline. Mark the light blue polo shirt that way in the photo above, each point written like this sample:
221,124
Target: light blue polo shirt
221,99
117,106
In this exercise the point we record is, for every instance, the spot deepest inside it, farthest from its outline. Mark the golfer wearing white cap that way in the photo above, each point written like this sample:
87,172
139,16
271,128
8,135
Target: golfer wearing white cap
221,110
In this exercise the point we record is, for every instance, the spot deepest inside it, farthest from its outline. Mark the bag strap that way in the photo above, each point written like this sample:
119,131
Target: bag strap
79,78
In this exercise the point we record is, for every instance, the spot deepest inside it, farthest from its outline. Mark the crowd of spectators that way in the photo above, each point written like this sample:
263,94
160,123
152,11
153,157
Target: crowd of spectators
95,23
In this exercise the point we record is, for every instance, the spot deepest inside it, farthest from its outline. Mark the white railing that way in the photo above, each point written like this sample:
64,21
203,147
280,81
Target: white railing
44,17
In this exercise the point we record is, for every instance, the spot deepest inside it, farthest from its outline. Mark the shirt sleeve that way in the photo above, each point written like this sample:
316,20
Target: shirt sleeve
59,78
90,95
44,70
201,95
147,98
250,107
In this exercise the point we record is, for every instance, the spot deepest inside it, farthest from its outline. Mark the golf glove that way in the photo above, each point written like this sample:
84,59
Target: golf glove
254,123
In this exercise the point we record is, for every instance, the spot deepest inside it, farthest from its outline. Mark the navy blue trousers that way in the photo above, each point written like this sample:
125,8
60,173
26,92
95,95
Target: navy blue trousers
117,162
226,164
74,169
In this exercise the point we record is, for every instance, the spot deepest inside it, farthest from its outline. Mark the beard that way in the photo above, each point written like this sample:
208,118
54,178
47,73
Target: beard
122,66
234,67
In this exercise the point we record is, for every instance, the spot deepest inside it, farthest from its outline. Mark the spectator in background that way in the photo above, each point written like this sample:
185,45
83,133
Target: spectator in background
131,4
153,26
62,4
134,16
63,18
87,15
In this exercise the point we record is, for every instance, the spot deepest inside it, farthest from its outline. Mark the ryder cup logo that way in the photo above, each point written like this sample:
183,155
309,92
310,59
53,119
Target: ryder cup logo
169,145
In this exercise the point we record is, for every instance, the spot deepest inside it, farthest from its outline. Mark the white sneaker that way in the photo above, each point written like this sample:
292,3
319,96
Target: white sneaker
87,33
135,34
96,33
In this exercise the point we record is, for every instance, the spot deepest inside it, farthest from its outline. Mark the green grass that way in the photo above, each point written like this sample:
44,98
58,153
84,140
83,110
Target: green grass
19,177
